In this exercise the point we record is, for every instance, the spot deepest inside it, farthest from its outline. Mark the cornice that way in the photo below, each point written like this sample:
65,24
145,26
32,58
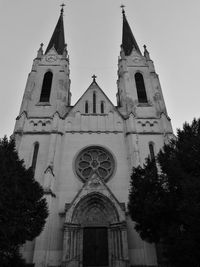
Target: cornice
40,117
39,132
148,133
94,132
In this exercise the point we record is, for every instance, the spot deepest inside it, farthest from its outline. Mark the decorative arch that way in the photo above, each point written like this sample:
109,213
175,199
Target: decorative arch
95,216
140,86
95,209
46,87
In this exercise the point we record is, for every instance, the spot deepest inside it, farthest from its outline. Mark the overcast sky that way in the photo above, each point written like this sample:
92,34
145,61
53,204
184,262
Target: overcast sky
93,30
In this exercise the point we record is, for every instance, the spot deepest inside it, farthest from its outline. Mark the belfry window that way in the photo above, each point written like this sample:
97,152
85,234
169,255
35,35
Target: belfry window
94,102
151,150
102,107
86,107
46,87
35,155
141,91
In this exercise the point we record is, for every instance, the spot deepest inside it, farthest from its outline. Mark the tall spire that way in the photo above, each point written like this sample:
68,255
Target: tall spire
58,38
128,40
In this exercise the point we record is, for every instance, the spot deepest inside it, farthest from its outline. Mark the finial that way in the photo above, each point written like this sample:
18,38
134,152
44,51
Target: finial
65,51
94,78
146,52
40,51
122,54
62,8
122,7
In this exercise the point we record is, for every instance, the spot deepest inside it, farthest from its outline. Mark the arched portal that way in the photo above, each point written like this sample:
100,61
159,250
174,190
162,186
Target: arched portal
95,209
95,236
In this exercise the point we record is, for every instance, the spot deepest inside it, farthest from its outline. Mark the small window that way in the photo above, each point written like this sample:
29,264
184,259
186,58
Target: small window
86,107
141,91
94,102
35,155
151,150
102,107
46,87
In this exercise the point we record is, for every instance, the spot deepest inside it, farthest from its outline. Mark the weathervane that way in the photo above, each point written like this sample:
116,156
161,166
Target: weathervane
62,7
122,7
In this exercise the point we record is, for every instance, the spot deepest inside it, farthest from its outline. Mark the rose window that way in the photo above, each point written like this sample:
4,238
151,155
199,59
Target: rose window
94,160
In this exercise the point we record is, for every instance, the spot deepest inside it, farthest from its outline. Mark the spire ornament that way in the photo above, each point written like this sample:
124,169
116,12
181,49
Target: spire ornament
122,7
146,52
128,40
58,38
40,51
65,52
94,78
62,8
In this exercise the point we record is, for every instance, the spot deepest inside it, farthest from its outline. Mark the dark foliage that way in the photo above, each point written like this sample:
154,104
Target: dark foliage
23,210
164,198
13,259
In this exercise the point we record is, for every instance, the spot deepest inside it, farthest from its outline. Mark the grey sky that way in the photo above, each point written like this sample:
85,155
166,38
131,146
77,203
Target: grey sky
170,29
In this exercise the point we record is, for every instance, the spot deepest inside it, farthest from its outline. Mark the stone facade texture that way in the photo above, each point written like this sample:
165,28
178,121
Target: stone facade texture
63,131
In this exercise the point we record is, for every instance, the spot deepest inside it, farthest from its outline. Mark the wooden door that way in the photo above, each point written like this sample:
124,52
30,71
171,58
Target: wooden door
95,246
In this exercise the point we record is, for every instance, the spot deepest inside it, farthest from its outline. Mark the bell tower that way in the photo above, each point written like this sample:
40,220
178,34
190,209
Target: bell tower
139,88
48,85
38,127
139,97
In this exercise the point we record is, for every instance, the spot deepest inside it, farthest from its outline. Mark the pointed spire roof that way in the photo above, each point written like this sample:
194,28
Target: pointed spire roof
128,39
58,38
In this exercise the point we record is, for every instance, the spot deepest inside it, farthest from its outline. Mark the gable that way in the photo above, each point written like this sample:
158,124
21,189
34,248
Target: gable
88,97
51,57
94,112
95,187
136,59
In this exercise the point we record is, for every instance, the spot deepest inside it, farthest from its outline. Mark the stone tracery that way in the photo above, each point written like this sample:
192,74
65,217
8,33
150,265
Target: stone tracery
94,160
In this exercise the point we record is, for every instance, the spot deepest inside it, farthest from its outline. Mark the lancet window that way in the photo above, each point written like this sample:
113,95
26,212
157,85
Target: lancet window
35,155
94,102
102,107
86,107
151,150
141,91
46,87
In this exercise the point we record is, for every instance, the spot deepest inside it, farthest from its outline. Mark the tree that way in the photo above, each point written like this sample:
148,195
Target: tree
23,209
164,199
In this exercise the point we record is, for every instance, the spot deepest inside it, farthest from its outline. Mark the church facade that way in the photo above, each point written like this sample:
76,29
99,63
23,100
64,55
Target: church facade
83,155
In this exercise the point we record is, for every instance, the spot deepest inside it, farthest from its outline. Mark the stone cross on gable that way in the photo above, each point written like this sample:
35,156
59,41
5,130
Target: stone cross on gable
94,78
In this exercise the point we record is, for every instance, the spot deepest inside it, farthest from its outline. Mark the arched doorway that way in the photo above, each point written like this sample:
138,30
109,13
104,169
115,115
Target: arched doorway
95,235
95,213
